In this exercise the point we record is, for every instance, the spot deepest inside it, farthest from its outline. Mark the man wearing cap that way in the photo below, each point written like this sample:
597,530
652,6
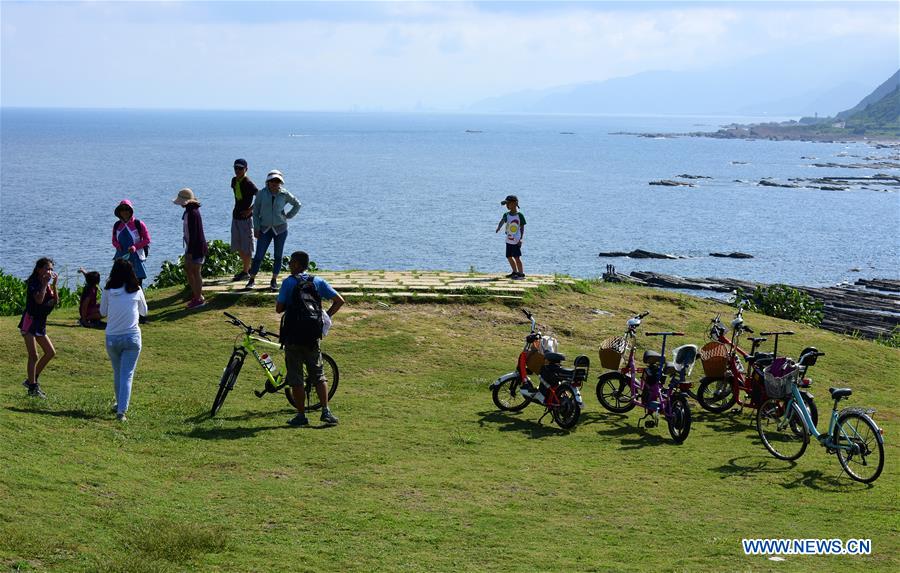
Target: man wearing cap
515,231
270,224
242,216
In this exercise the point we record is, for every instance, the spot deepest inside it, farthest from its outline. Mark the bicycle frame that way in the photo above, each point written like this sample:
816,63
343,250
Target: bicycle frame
636,378
823,438
247,345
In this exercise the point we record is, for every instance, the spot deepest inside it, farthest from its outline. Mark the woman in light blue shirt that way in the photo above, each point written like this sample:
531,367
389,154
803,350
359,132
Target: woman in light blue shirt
270,223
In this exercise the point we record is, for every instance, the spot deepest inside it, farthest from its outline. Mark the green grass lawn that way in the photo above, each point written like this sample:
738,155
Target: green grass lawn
423,473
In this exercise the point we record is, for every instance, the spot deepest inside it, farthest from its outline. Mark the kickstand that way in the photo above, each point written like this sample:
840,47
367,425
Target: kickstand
546,411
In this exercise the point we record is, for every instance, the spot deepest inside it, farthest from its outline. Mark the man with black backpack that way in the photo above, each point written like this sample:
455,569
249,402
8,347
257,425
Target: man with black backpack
300,299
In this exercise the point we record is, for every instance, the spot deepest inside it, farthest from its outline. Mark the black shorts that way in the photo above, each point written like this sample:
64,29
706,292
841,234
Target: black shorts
513,250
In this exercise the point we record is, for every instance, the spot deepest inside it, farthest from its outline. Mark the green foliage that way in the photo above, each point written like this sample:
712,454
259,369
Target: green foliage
221,261
13,292
891,340
782,301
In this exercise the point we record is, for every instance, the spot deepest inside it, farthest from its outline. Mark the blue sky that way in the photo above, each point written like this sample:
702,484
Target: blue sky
396,55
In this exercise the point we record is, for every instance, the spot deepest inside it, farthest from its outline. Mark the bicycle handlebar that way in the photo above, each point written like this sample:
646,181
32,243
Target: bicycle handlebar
787,332
663,334
250,330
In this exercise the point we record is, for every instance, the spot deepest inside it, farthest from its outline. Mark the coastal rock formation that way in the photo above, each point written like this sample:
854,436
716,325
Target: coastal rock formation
686,176
639,254
735,255
671,183
770,183
869,308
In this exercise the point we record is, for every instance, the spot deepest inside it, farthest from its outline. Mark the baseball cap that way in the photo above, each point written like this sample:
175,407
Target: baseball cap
240,163
275,174
509,199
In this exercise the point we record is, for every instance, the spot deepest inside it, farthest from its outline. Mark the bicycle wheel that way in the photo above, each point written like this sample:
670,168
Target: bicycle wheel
226,383
332,375
715,395
507,397
680,420
614,392
786,439
567,413
858,431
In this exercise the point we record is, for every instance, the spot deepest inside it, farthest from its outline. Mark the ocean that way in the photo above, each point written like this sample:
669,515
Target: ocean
423,191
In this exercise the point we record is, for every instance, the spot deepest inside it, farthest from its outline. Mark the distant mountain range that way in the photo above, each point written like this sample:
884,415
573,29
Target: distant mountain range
812,80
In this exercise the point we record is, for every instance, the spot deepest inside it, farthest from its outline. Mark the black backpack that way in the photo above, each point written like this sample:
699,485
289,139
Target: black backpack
302,320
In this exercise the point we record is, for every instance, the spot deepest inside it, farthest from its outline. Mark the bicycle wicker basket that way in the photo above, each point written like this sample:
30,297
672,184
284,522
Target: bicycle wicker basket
779,387
611,352
714,358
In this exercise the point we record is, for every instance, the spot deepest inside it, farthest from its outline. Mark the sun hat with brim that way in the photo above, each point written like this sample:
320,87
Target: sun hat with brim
184,197
274,174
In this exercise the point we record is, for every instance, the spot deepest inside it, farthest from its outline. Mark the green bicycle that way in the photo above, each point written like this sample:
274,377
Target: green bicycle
247,343
785,424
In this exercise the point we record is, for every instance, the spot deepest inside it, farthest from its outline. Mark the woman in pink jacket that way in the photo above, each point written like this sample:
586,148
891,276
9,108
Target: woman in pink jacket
130,238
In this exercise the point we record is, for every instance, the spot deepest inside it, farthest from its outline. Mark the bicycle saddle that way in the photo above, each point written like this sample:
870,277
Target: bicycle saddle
651,357
757,339
761,357
838,393
554,357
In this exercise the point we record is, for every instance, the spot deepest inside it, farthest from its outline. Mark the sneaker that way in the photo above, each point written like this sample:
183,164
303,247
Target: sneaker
121,417
328,417
518,276
35,390
196,303
298,420
512,275
273,285
27,384
241,276
251,283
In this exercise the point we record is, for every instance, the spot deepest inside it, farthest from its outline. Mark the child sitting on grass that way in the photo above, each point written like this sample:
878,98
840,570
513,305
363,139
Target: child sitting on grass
89,308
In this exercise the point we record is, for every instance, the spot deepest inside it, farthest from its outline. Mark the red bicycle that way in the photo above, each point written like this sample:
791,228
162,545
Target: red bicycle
727,383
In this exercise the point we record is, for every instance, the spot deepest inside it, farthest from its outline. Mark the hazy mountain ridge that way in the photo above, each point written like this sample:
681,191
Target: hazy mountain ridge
805,82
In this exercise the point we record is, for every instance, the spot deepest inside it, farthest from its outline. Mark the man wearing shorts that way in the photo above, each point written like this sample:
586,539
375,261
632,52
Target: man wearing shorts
298,355
242,216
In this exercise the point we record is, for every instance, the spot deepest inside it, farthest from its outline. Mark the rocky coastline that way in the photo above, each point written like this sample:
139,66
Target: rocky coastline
869,307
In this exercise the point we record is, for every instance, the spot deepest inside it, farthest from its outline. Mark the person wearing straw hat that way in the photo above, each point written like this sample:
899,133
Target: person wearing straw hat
270,224
195,247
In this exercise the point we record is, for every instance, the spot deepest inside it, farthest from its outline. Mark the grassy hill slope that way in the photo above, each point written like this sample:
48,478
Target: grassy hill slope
423,473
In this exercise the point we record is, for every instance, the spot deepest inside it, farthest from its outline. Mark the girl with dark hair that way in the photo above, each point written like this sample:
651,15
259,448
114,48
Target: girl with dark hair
122,304
88,307
41,297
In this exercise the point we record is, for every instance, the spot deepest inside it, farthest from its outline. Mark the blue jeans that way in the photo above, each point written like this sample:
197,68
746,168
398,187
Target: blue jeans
262,245
123,350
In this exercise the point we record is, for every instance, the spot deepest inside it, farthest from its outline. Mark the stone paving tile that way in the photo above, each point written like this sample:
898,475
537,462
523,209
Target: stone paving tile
405,284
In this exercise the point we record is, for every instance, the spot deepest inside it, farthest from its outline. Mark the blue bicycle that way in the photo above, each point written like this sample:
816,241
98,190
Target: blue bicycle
785,424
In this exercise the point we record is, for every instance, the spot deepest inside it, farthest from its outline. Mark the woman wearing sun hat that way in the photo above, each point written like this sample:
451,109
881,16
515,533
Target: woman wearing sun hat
195,247
270,224
131,238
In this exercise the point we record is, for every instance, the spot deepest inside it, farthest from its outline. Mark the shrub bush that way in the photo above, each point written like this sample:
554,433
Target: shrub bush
221,261
782,301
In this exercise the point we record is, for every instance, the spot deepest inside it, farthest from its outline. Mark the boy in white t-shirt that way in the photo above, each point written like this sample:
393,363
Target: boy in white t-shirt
515,231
